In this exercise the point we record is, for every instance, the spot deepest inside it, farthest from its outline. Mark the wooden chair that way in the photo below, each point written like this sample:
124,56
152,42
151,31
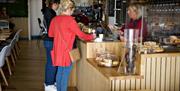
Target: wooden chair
17,47
2,62
0,87
10,51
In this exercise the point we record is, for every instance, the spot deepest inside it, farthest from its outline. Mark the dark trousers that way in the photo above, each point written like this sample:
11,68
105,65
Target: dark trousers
50,70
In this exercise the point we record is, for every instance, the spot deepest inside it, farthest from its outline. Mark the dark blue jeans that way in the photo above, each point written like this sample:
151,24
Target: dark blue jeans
62,77
50,70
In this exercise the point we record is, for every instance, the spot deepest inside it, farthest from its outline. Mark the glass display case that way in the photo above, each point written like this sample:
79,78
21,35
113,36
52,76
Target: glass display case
163,20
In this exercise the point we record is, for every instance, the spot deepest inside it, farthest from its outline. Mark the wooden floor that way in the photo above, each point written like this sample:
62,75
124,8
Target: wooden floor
28,75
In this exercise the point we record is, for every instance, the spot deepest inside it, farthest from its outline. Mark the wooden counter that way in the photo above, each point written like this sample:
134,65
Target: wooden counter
115,47
161,71
111,72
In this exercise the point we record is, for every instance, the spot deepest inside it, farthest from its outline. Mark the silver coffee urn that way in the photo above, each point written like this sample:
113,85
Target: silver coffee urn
131,37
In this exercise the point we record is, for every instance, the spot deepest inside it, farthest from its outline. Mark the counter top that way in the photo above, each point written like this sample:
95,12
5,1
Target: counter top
161,54
101,42
111,72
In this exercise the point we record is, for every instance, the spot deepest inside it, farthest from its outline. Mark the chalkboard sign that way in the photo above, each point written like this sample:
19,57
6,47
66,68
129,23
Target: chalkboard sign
19,8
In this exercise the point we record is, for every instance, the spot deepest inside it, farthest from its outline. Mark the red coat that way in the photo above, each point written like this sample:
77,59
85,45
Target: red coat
65,27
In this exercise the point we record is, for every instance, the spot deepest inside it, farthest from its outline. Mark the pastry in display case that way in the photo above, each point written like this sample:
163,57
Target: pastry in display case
174,40
171,40
150,47
107,59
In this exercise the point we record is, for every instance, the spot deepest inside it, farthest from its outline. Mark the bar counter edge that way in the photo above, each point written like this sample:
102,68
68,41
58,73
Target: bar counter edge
158,72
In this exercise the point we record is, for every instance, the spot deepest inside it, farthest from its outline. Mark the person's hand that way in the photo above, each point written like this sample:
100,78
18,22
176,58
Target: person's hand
121,33
110,26
94,36
114,28
122,38
94,33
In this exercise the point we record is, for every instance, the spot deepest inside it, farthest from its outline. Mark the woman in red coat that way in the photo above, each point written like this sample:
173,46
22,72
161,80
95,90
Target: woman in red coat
63,29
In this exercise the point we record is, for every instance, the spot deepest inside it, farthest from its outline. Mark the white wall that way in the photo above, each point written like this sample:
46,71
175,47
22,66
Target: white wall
35,7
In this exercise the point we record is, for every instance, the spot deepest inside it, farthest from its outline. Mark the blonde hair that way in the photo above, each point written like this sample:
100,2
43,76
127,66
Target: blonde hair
137,9
66,4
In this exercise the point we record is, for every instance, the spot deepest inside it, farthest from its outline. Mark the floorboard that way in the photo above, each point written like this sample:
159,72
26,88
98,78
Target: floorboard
28,74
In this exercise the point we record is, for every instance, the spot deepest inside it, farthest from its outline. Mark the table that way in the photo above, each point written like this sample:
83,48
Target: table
4,34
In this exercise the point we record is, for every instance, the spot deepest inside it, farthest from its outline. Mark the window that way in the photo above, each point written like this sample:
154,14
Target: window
119,11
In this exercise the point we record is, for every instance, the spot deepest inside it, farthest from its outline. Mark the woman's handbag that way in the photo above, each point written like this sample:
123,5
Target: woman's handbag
74,54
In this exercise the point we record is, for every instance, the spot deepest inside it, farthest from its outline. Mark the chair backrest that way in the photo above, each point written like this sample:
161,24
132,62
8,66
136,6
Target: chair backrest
11,45
43,30
16,36
4,24
39,22
3,55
